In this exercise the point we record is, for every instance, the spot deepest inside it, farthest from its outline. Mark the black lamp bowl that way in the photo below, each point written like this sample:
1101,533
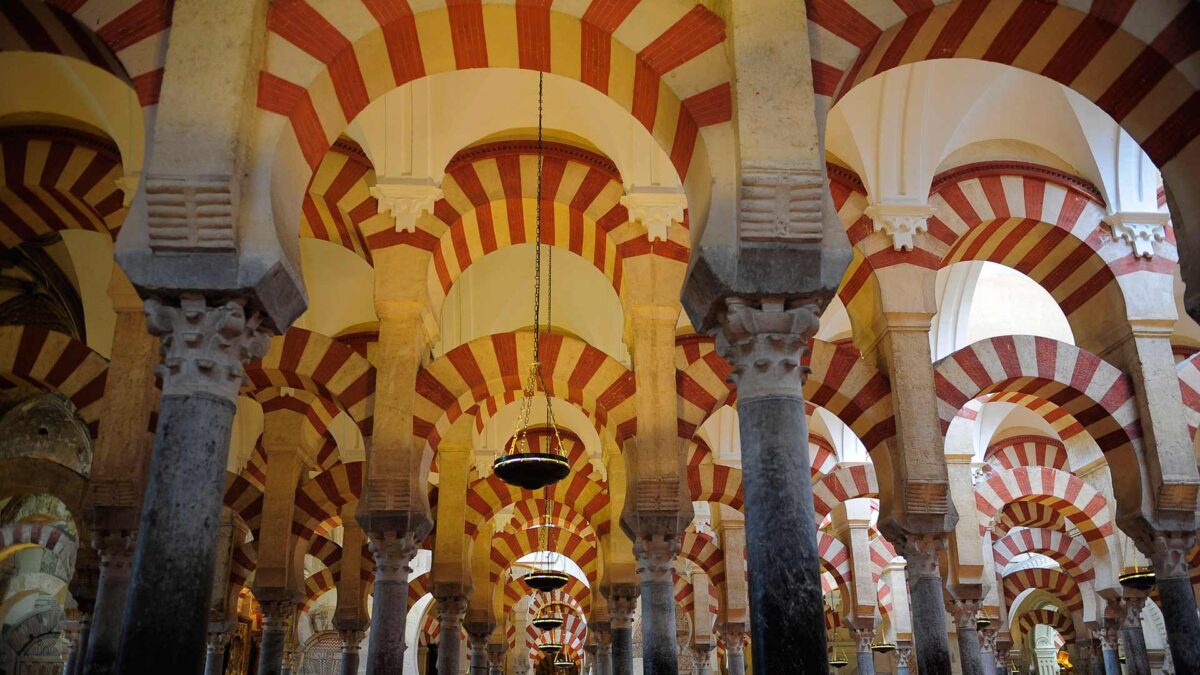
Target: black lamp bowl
563,664
546,581
1141,580
838,662
883,648
531,470
550,647
547,622
982,622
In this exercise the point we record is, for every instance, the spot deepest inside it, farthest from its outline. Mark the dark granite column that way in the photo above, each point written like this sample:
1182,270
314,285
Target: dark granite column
496,653
477,640
1109,646
115,549
655,552
603,632
451,608
765,345
903,659
393,556
1176,598
204,349
864,657
76,633
622,602
1137,662
735,648
927,603
987,650
277,618
214,653
351,645
965,612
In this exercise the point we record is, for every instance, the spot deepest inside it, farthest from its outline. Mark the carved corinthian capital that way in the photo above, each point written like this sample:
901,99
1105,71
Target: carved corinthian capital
393,554
205,346
1169,554
655,552
622,601
765,345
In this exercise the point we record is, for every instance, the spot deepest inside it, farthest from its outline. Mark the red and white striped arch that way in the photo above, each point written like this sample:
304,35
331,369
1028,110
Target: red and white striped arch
1059,585
509,546
303,359
1126,57
1059,621
1061,492
127,38
1079,382
835,558
1027,450
719,483
582,493
1073,555
532,510
571,635
703,550
574,371
514,589
317,584
320,499
664,62
1028,514
850,481
55,179
338,206
1188,371
53,538
47,360
243,563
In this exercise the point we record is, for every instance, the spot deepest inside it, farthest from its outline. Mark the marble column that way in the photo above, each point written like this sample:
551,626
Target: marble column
277,618
75,632
1097,657
477,639
965,612
351,644
1177,600
864,657
393,556
735,648
1109,646
205,347
622,602
496,653
903,660
1137,662
451,608
702,651
115,548
214,653
927,602
765,346
590,650
655,553
603,632
987,650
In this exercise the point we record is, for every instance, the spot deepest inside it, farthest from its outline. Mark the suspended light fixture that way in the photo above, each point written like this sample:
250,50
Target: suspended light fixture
883,647
1139,577
563,663
519,465
547,618
547,577
982,621
550,647
838,660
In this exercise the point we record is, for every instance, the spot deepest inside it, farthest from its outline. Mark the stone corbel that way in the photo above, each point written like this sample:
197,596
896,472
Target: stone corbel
656,208
406,199
900,222
1139,229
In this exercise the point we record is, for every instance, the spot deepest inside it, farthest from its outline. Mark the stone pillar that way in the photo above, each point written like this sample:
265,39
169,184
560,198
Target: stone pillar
277,618
927,603
622,601
765,345
75,632
1177,599
115,549
1109,646
864,657
903,660
603,632
1137,662
656,567
451,608
214,656
496,654
204,349
351,644
477,639
393,556
965,611
735,646
987,650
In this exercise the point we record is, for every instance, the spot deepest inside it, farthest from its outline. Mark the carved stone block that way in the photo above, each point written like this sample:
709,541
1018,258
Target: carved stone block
191,213
781,205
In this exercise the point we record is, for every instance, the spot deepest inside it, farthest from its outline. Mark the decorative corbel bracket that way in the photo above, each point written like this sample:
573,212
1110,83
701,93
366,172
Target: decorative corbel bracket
900,222
656,208
1139,229
406,199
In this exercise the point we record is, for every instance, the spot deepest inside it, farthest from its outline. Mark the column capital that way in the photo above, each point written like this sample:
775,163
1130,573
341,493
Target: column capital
735,636
216,640
1131,611
351,639
602,630
904,656
451,609
965,611
656,208
205,345
987,640
496,652
1140,229
656,552
622,602
921,552
393,553
1169,553
406,199
765,342
276,612
862,638
900,222
478,633
1109,634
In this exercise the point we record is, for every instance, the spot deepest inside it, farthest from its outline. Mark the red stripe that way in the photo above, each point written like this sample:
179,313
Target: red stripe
468,34
29,29
1018,31
533,34
645,94
712,106
901,42
148,17
825,78
843,20
607,15
1079,49
278,95
1176,132
684,145
148,86
595,56
964,18
694,33
1178,40
1134,84
401,37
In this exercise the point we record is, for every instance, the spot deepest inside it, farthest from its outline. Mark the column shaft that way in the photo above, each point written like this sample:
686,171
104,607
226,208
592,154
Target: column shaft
351,642
450,609
112,589
903,656
1178,604
736,661
479,655
1112,661
622,650
656,556
927,602
276,620
214,657
969,653
864,659
393,555
1137,662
